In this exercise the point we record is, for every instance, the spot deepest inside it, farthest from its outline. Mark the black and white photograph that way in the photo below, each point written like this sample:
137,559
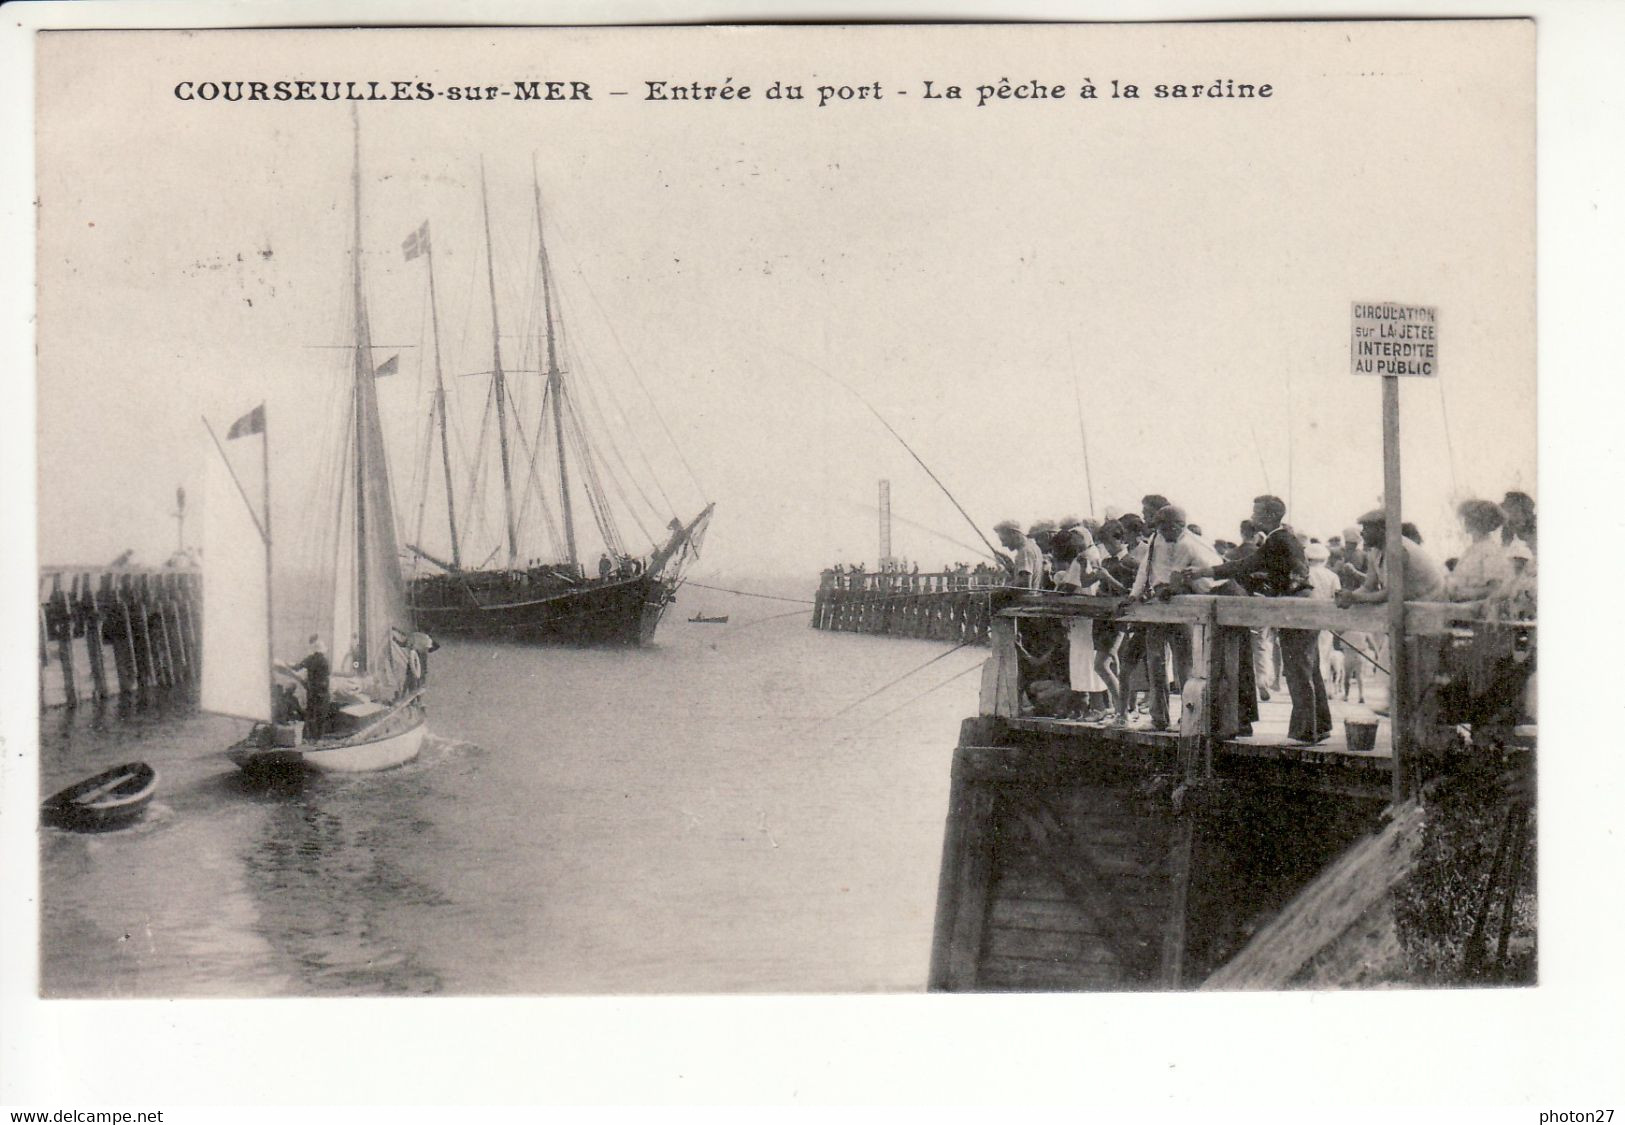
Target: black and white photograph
785,511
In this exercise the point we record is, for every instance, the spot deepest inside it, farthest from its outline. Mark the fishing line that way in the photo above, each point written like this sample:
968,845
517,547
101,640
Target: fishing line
934,478
904,706
898,680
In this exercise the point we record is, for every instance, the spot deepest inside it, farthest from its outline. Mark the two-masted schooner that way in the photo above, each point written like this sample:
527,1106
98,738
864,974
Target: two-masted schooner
618,600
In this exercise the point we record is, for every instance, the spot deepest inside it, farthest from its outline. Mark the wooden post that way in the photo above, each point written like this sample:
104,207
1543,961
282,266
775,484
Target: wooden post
1393,558
91,604
1005,698
62,627
1181,843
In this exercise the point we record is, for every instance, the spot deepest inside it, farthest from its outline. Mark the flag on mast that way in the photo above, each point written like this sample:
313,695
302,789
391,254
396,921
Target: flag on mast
388,367
251,423
417,242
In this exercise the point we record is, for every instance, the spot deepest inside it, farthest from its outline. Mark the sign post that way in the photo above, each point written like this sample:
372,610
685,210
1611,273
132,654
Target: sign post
1395,341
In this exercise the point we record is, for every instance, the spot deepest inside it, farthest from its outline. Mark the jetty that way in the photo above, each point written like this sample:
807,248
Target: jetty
945,606
117,631
1086,857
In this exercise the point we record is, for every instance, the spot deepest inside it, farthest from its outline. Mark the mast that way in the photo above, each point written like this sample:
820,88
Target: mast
363,370
499,384
440,408
265,530
555,378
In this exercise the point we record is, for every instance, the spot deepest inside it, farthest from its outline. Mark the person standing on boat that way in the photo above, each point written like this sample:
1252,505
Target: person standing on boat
318,687
603,567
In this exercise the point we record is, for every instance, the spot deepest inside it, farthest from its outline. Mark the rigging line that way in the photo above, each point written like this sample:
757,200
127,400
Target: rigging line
590,485
748,594
1258,449
904,706
566,347
594,483
1449,447
533,484
615,336
602,416
893,683
1083,436
420,481
617,480
934,478
643,457
732,629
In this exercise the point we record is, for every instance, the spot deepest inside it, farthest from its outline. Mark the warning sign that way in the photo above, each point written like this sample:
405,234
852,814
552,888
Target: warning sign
1392,339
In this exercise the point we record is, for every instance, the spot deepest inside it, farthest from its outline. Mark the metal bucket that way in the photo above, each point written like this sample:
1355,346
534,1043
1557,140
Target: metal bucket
1362,734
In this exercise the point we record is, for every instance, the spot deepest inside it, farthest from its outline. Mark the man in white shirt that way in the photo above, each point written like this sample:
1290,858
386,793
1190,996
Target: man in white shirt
1025,562
1171,548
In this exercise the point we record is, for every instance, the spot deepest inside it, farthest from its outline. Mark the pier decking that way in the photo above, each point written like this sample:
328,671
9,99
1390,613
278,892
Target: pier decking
1081,856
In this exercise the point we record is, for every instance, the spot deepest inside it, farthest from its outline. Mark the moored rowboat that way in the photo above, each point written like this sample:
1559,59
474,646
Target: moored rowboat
111,799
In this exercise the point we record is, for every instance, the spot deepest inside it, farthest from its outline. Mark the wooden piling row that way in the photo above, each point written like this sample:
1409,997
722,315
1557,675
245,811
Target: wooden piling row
941,607
118,631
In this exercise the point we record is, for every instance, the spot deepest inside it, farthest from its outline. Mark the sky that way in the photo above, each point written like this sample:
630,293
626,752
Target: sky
746,285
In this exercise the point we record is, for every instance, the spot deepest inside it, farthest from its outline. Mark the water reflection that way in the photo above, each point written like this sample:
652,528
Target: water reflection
326,875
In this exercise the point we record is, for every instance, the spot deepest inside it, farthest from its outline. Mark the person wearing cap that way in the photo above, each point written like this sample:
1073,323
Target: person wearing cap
1025,562
1170,550
1351,569
1423,577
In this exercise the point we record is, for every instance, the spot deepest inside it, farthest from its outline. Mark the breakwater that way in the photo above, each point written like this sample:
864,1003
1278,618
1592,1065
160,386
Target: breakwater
118,631
946,606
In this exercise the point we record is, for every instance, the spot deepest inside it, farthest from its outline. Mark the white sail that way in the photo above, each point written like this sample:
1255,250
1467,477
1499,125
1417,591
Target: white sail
236,673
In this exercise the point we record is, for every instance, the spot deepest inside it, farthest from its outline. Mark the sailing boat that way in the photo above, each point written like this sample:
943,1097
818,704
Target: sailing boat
377,715
623,599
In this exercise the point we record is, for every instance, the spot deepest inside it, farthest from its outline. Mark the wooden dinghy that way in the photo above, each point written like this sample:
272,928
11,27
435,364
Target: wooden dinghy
111,799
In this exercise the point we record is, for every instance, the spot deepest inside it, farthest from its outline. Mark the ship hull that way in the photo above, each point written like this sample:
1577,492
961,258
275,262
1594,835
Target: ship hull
619,612
393,740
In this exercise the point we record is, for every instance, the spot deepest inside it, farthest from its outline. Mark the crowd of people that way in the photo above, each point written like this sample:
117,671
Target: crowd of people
1120,673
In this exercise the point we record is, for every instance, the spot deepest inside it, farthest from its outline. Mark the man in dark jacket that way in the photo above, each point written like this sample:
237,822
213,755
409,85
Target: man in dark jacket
1276,568
318,687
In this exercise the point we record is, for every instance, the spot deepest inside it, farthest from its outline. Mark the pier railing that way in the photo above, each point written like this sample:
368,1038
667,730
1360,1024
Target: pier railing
106,631
943,606
1218,627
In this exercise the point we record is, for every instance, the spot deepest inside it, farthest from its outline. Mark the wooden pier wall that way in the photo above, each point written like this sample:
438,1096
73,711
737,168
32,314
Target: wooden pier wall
106,632
1081,857
939,607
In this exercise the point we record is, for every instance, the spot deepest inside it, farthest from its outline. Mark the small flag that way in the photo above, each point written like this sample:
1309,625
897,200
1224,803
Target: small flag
417,242
251,423
388,367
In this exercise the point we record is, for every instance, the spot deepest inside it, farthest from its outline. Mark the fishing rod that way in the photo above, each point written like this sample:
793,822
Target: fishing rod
916,523
1083,436
889,429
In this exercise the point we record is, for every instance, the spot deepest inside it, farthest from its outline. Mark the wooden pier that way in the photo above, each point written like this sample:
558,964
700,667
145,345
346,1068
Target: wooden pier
117,631
947,606
1086,857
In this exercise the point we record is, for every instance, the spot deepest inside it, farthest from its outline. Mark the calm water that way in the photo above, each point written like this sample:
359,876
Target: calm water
692,817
